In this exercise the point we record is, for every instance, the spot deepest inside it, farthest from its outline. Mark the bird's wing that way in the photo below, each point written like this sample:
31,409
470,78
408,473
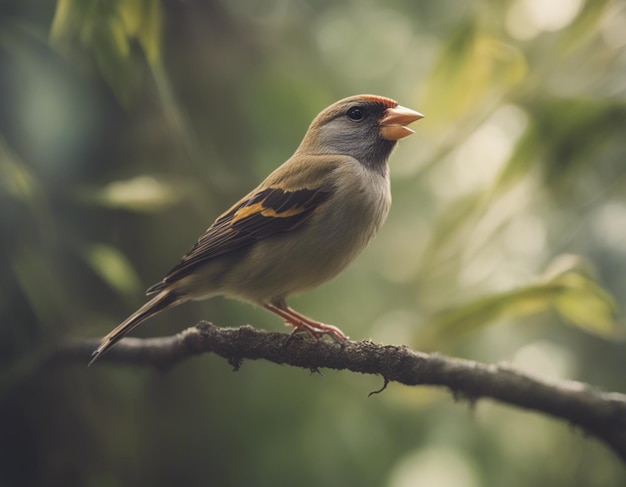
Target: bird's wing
259,215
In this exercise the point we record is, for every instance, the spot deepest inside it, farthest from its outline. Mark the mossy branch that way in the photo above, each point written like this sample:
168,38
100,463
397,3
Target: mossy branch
597,413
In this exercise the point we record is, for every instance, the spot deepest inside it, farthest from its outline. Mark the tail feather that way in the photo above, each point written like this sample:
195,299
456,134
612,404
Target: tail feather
162,301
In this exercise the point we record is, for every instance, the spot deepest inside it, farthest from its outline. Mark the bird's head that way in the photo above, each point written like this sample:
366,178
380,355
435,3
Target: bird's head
365,127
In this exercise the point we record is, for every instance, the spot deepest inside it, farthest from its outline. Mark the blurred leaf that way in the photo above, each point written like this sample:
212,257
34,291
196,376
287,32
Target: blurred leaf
472,66
63,20
141,194
585,304
143,20
586,24
132,13
570,131
115,32
450,232
457,321
111,50
522,161
575,296
113,267
561,138
107,29
15,178
150,33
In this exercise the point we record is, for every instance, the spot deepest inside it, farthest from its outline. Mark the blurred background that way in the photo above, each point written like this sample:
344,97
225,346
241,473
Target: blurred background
127,126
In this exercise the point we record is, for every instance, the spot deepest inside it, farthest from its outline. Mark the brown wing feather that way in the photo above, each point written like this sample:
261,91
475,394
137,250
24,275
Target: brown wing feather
261,215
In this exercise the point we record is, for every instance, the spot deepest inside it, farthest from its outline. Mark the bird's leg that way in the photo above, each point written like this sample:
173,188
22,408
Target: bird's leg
301,322
320,328
290,321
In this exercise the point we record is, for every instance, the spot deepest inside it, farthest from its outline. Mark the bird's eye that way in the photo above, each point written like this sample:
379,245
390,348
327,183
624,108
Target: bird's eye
356,114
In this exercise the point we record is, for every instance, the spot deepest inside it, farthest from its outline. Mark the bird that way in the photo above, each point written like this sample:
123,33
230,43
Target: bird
300,227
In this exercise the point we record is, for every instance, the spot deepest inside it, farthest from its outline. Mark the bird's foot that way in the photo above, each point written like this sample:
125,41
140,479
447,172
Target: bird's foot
301,323
318,330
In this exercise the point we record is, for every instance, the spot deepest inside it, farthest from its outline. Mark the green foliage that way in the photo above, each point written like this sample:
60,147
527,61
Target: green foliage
140,194
562,137
15,179
505,241
474,68
566,288
115,269
107,29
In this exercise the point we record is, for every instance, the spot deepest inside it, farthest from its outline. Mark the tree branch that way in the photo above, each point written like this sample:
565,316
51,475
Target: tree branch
601,414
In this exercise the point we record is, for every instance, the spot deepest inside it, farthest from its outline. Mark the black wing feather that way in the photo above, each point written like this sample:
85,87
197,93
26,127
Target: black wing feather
266,213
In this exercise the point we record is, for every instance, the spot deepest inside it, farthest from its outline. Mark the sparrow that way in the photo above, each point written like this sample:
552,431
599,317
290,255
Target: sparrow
300,227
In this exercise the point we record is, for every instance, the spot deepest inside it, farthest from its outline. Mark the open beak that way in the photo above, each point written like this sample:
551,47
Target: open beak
394,121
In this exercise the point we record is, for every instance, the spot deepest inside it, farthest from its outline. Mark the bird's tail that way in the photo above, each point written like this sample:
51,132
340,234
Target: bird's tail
165,299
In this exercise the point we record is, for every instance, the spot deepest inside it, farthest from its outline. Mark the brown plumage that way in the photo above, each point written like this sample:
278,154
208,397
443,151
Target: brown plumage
301,226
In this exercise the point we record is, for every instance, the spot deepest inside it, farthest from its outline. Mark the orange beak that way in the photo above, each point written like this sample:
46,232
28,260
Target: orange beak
394,121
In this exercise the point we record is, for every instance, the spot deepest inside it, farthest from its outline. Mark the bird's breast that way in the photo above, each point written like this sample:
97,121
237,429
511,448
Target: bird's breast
323,246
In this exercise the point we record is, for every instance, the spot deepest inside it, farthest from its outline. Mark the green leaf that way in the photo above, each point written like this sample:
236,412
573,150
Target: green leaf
464,319
473,68
132,13
141,194
113,267
64,20
143,20
561,139
565,287
150,33
449,234
585,26
16,179
107,30
112,53
586,305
